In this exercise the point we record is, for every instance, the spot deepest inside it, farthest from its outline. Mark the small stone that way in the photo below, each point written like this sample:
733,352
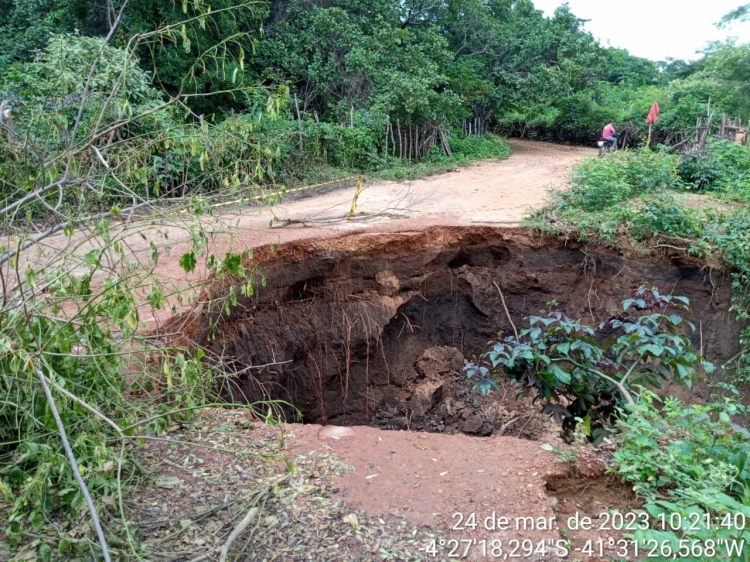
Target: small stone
335,432
473,424
553,502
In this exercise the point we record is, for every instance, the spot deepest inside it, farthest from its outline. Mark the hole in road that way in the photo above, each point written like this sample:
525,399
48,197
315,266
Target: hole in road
375,330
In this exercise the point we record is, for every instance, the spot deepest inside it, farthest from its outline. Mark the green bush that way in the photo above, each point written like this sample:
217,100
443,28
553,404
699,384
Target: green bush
659,213
699,458
723,166
479,148
599,183
584,373
683,447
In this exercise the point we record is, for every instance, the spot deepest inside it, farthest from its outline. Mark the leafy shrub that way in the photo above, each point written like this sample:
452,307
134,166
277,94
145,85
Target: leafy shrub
567,362
479,148
697,456
648,171
599,183
723,166
696,172
683,447
660,213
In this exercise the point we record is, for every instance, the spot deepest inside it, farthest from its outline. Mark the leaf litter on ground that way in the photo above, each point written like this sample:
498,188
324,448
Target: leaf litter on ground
194,496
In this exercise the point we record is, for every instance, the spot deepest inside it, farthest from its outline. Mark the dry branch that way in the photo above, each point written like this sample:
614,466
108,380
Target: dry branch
74,466
240,528
502,298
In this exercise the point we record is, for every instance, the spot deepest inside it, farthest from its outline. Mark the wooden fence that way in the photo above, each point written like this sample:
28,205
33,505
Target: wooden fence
709,126
693,140
413,142
475,126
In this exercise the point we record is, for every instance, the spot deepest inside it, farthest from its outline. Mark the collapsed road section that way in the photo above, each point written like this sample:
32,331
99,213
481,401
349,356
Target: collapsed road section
375,328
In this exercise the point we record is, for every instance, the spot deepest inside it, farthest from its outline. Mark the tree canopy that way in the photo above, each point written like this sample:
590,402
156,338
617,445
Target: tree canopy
393,61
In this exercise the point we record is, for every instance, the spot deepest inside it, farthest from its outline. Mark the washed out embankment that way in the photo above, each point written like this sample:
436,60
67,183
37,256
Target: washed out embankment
376,327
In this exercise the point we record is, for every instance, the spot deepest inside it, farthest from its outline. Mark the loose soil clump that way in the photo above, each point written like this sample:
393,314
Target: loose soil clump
439,398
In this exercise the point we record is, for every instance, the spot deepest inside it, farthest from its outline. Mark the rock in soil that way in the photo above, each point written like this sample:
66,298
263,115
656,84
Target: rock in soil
438,397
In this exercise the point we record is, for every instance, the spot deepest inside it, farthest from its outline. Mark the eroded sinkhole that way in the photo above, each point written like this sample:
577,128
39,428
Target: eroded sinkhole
375,329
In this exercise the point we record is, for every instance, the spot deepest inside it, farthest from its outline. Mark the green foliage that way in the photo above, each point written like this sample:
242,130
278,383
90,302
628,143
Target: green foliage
503,62
658,214
566,359
78,354
158,153
741,13
351,55
206,53
624,68
635,198
683,447
93,138
479,148
699,457
601,183
635,193
61,70
25,27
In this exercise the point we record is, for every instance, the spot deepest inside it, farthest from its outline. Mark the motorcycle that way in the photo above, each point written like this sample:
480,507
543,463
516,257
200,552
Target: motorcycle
607,145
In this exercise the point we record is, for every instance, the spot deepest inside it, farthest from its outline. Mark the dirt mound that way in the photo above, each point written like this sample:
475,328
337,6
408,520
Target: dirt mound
438,397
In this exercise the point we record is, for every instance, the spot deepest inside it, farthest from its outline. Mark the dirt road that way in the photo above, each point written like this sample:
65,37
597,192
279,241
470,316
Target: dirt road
498,192
492,192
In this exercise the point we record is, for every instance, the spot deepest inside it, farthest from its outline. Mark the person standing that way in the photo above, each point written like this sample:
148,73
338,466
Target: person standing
740,137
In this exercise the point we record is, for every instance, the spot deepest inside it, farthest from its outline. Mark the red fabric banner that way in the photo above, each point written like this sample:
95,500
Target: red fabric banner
653,115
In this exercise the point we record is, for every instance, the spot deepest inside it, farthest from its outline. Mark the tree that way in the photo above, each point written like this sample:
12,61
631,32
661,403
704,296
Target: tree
25,27
584,373
741,13
88,126
360,55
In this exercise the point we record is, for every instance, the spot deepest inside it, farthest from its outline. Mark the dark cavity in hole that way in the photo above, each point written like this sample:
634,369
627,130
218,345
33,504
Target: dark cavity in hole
364,330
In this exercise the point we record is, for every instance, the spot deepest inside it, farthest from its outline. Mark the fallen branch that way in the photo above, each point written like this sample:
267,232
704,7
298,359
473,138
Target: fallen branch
507,313
62,226
83,404
74,466
361,216
507,424
240,528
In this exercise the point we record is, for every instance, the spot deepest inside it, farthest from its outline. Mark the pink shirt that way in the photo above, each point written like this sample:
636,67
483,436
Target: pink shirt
609,132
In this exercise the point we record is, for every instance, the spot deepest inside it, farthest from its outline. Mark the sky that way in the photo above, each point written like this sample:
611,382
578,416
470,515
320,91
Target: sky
655,29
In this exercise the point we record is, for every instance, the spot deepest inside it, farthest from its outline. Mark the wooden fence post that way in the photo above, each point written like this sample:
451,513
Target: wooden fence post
299,122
